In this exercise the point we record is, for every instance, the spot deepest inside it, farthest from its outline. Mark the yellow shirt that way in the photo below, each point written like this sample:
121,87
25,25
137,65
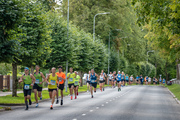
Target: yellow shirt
71,78
53,81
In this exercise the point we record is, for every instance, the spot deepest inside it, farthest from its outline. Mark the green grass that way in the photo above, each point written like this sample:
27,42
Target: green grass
45,95
1,107
175,89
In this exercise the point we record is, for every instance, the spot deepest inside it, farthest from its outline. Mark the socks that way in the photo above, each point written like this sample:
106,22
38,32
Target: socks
26,103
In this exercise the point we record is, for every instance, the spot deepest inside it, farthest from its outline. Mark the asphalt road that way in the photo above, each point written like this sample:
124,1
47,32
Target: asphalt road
132,103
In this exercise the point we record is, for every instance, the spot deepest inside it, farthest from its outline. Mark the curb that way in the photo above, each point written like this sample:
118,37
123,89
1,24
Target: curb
178,102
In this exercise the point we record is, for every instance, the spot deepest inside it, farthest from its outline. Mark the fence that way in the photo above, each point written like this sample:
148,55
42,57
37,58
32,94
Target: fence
4,82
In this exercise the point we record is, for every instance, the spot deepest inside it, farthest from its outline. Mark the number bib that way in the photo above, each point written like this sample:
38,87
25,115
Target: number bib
37,81
70,79
60,80
76,83
26,87
92,81
53,82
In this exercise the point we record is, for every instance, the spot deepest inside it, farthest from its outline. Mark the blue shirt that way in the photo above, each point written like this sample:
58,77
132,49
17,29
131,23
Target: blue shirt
164,80
137,78
127,77
160,80
93,78
122,77
119,77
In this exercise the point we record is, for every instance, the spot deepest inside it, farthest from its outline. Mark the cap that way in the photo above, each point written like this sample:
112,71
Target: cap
26,68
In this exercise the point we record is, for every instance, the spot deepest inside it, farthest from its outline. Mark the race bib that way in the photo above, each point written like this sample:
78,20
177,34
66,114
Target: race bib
70,79
53,82
76,83
37,81
26,87
92,81
60,80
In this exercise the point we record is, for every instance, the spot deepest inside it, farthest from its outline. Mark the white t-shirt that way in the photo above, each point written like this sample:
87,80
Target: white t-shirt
110,76
149,79
101,78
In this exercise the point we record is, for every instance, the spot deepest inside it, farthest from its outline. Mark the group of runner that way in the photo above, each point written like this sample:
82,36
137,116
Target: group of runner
55,81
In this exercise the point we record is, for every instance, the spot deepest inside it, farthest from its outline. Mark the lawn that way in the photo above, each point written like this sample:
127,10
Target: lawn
45,95
175,89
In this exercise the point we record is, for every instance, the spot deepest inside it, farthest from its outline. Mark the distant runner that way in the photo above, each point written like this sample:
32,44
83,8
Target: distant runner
110,78
38,84
131,79
137,79
101,81
127,79
114,79
29,81
149,80
93,76
52,80
119,81
123,78
61,79
88,81
77,80
164,81
70,77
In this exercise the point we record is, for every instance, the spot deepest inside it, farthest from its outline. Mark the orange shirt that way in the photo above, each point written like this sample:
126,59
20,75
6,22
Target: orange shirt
61,81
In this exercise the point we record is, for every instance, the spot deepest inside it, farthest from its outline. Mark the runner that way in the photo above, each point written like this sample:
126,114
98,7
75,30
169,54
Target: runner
52,80
88,81
29,81
101,81
119,81
70,78
131,79
61,79
77,80
123,78
149,80
154,79
38,84
141,79
127,79
164,81
114,79
93,76
110,78
137,79
160,80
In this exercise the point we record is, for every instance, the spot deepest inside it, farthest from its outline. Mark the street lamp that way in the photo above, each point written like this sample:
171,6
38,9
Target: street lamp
94,23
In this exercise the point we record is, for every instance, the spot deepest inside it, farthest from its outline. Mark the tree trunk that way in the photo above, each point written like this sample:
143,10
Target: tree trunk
15,80
166,72
32,69
178,72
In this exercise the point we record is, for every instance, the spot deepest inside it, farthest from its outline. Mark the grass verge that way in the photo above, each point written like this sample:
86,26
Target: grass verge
45,95
175,89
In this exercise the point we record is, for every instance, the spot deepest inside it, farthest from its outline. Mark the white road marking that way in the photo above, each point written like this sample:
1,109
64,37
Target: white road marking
91,110
106,102
74,119
97,107
102,104
83,114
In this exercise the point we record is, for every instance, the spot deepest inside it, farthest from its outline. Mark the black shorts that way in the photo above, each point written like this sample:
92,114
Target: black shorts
27,92
153,81
88,82
37,87
137,80
110,80
61,86
101,81
118,81
123,79
127,80
76,86
51,90
72,84
93,84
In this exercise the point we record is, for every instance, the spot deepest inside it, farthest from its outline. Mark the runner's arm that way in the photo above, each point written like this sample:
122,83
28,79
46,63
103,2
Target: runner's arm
21,79
33,79
44,78
57,81
47,80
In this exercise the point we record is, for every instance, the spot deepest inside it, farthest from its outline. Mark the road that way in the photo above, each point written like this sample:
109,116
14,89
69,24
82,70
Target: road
132,103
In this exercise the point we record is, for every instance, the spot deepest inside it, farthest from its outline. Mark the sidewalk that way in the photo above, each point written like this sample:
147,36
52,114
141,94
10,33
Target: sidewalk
10,93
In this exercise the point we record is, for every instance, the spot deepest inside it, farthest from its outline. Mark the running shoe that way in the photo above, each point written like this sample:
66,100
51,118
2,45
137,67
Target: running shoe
51,107
92,96
30,102
103,89
36,105
57,101
26,108
75,98
71,97
61,102
41,98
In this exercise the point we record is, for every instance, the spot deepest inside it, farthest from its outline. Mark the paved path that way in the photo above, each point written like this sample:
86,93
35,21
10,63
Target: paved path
132,103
